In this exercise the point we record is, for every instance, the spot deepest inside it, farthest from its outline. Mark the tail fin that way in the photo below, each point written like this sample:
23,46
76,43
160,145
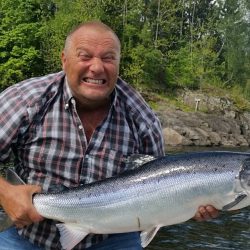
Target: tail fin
13,178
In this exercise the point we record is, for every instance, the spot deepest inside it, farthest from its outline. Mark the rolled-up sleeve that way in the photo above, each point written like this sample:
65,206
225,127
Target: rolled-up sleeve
12,115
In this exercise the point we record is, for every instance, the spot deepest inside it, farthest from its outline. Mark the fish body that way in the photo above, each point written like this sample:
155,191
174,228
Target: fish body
161,192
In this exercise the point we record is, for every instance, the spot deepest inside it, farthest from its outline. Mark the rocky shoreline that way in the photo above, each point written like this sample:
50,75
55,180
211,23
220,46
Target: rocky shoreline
218,126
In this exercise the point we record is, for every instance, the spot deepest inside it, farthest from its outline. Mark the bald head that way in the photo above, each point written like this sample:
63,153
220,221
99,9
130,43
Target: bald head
91,60
94,25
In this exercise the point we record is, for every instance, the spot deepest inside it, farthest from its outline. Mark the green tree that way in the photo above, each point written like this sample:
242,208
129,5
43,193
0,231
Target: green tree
67,15
234,32
164,42
140,56
20,55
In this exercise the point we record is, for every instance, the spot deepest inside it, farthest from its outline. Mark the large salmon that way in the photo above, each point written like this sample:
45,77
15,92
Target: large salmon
161,192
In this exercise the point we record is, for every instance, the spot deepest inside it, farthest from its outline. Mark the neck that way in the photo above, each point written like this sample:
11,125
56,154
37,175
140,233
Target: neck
92,116
89,105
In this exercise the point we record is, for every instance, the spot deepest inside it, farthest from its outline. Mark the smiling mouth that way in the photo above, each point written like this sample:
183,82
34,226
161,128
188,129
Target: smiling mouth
94,81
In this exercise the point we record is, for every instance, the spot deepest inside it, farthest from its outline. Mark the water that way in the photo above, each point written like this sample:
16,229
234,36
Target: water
230,231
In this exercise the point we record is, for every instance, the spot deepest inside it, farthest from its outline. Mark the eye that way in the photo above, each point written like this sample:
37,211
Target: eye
109,58
84,56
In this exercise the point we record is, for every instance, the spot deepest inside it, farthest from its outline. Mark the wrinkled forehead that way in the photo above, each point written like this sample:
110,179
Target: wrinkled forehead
93,34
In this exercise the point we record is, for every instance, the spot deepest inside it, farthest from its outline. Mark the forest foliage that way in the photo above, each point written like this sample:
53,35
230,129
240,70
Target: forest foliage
165,43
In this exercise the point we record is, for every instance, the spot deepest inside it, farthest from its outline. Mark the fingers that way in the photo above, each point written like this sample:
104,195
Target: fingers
20,217
32,214
206,213
22,222
18,205
25,216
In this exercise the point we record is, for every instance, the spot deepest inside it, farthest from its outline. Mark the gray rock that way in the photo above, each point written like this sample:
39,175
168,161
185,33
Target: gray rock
172,137
205,129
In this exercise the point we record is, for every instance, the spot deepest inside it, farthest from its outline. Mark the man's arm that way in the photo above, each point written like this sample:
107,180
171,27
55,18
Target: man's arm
17,203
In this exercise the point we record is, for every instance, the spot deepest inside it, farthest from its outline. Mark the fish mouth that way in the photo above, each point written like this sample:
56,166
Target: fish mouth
94,81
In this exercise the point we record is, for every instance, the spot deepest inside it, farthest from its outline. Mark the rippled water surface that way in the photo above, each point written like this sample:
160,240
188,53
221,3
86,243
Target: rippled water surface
230,231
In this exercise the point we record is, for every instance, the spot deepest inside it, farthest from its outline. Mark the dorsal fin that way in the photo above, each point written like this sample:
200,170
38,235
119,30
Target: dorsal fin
137,160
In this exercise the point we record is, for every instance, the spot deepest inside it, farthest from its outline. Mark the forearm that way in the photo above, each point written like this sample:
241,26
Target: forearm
4,189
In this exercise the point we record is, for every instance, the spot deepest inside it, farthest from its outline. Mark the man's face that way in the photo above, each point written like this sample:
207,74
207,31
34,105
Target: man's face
91,63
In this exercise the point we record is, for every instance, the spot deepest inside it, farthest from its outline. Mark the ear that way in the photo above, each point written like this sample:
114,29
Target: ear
63,60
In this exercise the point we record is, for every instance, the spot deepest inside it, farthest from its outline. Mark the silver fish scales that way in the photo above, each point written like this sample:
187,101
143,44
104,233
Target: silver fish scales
161,192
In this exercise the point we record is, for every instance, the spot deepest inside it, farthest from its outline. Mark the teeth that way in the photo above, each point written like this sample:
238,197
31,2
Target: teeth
94,81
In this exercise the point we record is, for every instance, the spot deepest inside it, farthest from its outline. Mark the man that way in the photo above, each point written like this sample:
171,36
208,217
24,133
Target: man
71,128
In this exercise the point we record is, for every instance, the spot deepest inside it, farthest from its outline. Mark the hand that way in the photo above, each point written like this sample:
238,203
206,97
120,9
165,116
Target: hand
17,203
206,213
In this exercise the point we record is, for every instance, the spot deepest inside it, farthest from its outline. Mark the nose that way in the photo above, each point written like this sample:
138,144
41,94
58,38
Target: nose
96,65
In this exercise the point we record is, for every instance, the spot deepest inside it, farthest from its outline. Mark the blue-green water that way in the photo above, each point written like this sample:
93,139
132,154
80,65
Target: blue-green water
230,231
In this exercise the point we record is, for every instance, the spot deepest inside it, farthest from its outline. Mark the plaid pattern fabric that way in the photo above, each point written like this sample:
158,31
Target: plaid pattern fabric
40,125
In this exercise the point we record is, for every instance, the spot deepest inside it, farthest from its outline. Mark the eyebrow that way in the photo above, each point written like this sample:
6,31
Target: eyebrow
109,51
86,49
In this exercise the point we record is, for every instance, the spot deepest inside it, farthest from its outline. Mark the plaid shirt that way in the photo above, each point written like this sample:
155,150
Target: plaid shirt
40,125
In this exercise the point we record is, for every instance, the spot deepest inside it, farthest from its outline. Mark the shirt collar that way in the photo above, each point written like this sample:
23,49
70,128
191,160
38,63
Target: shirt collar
67,93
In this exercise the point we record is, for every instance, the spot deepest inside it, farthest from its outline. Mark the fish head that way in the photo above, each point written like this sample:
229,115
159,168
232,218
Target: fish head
244,175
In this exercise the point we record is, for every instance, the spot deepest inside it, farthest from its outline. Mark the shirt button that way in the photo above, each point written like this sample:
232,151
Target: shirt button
80,127
66,106
73,101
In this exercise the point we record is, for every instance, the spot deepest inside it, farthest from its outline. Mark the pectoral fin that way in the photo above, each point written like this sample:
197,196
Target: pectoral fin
147,236
70,235
237,200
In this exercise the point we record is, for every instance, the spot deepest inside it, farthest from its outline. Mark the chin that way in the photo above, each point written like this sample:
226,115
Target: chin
97,95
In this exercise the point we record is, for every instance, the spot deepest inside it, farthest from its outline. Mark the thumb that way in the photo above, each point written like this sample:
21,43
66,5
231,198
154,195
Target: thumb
33,189
36,189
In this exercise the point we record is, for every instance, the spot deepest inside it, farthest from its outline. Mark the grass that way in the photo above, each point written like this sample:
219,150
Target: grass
172,97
